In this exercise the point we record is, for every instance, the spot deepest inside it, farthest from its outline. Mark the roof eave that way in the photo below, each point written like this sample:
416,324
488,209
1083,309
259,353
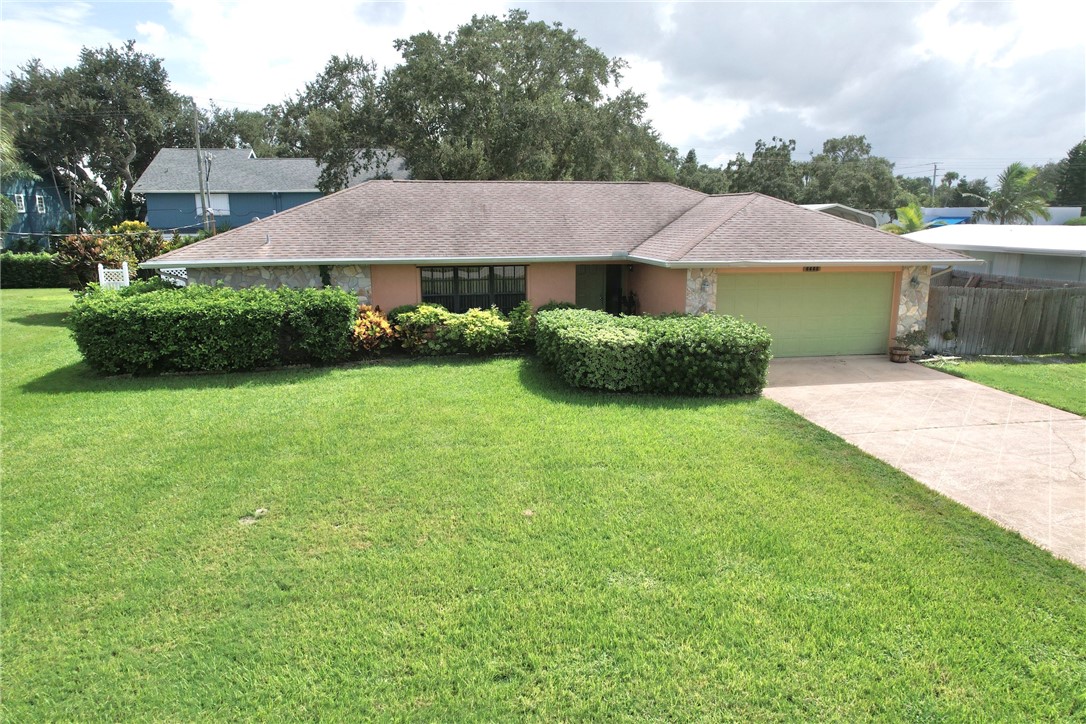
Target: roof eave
136,189
777,263
160,263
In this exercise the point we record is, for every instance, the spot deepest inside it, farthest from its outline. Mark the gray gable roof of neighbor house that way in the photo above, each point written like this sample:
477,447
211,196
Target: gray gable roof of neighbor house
523,221
238,170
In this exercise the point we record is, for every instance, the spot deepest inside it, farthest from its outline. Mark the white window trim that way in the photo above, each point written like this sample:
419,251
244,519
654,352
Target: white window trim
39,203
20,203
219,204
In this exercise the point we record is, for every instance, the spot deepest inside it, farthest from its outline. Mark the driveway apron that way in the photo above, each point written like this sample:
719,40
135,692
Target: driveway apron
1018,462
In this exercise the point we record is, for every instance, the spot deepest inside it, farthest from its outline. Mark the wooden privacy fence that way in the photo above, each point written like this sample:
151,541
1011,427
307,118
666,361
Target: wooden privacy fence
968,320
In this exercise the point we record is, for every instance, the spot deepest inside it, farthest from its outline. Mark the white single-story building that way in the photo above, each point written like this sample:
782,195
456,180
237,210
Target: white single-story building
1037,252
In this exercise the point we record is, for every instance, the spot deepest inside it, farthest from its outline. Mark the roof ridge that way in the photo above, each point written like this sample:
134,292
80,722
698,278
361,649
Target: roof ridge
684,250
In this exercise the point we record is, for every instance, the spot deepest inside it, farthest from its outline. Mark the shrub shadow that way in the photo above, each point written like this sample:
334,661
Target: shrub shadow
78,377
1028,360
538,379
47,319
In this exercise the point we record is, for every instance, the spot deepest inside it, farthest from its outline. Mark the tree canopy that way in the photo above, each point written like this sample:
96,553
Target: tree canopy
98,123
499,98
846,173
1071,177
1017,200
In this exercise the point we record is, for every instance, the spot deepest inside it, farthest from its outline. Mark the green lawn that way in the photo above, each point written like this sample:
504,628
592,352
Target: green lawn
459,540
1057,380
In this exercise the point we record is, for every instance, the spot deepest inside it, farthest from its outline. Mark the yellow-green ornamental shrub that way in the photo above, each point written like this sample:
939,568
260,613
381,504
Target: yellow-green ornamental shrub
431,329
480,331
372,330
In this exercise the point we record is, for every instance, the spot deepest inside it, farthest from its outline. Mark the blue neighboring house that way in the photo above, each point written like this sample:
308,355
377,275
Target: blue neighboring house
242,187
40,209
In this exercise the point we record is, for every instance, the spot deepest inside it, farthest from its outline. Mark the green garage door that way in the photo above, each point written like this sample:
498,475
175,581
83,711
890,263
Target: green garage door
813,313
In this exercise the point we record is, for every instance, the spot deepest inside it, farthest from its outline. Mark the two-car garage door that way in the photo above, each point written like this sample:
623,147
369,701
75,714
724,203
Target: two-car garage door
813,313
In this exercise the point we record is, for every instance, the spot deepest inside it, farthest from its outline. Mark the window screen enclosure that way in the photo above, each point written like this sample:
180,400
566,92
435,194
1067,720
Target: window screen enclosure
459,288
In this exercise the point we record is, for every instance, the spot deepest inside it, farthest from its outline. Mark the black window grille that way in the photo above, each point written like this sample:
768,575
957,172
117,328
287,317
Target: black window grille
460,288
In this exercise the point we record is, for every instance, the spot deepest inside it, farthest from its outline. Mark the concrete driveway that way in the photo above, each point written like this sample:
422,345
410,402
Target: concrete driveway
1018,462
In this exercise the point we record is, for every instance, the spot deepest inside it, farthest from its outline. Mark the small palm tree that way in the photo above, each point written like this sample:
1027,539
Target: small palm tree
909,219
1016,201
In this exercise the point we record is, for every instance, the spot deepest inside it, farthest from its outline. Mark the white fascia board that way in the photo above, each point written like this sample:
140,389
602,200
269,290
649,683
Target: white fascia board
776,263
417,261
228,191
1004,249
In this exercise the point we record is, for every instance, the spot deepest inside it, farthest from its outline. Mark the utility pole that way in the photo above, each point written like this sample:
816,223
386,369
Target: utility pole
199,163
934,170
207,185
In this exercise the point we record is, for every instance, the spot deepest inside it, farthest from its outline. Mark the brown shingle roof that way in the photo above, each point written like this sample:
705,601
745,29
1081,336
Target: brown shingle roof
753,229
387,221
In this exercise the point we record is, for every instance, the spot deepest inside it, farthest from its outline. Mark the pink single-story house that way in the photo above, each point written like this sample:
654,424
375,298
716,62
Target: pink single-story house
821,284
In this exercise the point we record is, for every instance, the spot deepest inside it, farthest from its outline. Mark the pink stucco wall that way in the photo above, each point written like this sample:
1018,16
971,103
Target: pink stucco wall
395,284
660,291
547,282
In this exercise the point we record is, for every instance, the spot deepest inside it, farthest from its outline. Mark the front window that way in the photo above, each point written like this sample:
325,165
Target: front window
20,203
460,288
39,203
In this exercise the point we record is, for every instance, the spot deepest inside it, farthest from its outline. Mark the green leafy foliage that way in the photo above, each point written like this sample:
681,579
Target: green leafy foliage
769,171
522,326
846,173
1017,200
909,219
676,354
372,331
480,331
209,329
395,312
552,304
206,329
425,331
130,241
32,271
498,98
433,330
1071,177
319,324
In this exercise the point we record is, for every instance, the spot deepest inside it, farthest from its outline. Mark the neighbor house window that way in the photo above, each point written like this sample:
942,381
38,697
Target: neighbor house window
218,204
459,288
20,203
39,203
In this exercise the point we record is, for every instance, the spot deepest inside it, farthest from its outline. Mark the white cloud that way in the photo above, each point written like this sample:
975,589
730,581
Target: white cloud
249,53
53,33
957,32
680,118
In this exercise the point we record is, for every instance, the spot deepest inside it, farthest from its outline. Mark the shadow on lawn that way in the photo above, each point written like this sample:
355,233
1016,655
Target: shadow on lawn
48,319
78,377
540,380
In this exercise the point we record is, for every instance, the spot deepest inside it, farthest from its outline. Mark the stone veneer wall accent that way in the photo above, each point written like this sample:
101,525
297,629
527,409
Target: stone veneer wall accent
700,291
353,278
912,309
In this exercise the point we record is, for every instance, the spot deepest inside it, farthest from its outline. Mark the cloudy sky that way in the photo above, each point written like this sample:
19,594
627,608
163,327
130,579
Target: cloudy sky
971,86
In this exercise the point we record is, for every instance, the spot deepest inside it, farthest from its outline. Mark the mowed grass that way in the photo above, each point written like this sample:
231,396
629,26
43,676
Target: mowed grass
470,540
1056,380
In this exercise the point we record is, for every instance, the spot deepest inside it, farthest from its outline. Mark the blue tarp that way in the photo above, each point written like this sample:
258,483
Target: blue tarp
948,220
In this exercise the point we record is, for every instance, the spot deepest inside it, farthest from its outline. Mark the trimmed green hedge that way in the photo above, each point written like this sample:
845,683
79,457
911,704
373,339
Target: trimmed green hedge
32,271
210,329
676,354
